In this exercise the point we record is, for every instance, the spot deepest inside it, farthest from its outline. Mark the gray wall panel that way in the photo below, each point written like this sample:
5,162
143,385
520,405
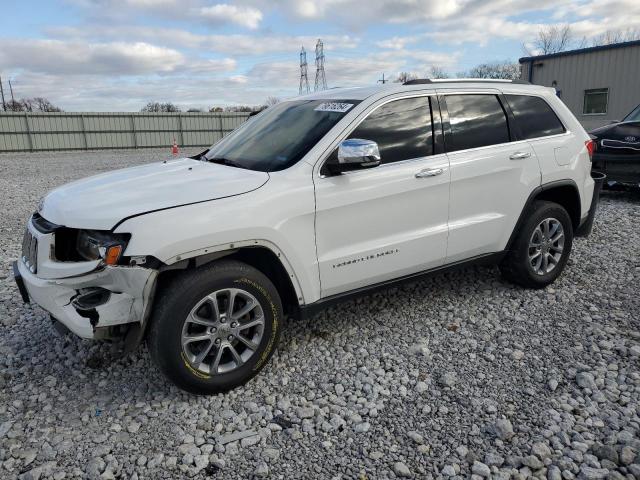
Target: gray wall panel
71,131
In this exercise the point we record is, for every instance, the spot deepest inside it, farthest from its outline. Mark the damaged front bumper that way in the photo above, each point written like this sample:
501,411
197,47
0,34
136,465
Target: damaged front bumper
90,305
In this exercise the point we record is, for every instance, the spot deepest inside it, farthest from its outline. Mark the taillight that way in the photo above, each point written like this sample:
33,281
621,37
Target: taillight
591,147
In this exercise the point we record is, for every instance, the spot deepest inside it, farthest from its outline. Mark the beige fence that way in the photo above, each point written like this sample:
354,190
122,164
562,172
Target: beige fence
88,131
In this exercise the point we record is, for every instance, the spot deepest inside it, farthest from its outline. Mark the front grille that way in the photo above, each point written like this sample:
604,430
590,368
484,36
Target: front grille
30,251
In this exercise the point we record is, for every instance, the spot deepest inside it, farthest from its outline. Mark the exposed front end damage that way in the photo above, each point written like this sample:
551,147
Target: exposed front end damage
95,305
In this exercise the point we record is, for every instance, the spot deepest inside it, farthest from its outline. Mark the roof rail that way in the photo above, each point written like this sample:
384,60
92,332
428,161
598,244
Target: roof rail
420,81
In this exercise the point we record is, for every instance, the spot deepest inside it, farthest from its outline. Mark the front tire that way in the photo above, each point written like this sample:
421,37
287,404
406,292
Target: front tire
541,248
215,328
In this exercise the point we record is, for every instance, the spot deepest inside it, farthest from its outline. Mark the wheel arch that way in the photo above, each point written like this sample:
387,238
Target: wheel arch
562,192
268,262
262,256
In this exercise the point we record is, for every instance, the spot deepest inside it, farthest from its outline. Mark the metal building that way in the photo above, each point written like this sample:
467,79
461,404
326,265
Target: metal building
599,84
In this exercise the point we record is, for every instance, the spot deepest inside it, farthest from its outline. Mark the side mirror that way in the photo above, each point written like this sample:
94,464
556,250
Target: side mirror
355,154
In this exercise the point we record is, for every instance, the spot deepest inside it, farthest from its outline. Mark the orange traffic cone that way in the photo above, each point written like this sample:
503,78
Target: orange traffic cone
174,149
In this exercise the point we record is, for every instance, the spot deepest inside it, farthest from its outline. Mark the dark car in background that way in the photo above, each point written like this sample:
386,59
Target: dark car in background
618,150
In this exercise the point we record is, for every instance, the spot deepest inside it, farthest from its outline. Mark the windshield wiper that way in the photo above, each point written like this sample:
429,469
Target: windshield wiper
226,161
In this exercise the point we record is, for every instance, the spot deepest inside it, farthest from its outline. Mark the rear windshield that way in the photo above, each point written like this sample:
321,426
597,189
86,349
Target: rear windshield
281,135
633,116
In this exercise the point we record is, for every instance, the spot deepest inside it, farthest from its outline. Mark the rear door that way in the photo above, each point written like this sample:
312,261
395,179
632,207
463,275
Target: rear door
537,122
389,221
492,173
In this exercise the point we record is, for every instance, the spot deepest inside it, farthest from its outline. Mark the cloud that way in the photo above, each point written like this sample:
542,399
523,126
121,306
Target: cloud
119,54
230,44
390,11
115,58
100,93
248,17
239,79
344,71
396,43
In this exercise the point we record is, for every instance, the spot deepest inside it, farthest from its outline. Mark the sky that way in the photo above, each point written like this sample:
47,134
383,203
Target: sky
100,55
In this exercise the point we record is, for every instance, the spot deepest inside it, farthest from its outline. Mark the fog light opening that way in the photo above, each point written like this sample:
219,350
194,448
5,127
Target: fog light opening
90,298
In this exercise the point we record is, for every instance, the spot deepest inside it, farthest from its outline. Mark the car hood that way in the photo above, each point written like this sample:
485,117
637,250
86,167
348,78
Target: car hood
618,131
101,201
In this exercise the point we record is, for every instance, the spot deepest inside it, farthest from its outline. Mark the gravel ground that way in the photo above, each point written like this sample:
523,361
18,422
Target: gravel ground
461,375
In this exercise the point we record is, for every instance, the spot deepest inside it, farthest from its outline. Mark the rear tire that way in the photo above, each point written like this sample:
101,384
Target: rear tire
541,247
215,328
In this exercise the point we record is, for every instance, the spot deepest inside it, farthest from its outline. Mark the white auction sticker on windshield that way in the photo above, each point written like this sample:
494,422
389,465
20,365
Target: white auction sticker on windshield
333,107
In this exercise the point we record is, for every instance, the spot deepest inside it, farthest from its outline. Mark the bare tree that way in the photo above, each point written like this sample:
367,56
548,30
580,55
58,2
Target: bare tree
15,106
405,77
157,107
242,108
44,105
497,70
271,101
437,72
550,39
37,104
616,36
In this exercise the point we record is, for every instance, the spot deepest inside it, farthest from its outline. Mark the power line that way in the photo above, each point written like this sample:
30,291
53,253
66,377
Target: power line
304,80
321,80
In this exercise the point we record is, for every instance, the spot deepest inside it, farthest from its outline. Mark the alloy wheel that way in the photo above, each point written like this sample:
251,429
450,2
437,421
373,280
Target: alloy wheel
546,246
223,331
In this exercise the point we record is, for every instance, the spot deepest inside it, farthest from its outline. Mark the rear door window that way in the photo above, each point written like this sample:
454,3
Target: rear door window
534,117
402,129
477,120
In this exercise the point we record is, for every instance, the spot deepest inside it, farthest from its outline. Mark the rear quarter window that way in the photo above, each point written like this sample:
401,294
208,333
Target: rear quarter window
534,117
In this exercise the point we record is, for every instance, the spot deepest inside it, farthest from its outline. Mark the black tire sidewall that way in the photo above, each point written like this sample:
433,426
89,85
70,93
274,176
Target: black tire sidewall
176,304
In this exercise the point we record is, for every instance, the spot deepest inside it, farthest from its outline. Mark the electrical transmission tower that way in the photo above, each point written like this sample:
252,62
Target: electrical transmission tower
304,80
321,80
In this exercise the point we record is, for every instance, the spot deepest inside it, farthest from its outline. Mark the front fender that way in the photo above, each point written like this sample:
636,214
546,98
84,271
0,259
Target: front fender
279,216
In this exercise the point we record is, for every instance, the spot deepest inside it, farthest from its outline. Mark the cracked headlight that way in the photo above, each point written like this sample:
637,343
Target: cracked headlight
105,246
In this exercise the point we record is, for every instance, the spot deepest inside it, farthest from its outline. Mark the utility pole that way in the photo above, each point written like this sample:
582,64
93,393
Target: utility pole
321,81
4,105
13,101
383,80
304,80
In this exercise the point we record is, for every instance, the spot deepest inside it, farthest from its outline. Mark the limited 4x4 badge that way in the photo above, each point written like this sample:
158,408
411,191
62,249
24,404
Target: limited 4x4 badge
373,256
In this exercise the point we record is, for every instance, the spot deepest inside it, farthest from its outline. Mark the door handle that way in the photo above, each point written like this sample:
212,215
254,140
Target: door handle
429,172
519,155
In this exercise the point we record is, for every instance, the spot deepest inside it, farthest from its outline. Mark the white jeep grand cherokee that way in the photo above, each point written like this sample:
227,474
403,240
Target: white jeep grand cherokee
311,201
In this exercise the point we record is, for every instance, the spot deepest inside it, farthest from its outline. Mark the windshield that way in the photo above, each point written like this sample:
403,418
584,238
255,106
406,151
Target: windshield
634,116
280,135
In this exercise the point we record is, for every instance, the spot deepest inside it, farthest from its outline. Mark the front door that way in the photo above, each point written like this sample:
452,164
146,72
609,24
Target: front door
389,221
